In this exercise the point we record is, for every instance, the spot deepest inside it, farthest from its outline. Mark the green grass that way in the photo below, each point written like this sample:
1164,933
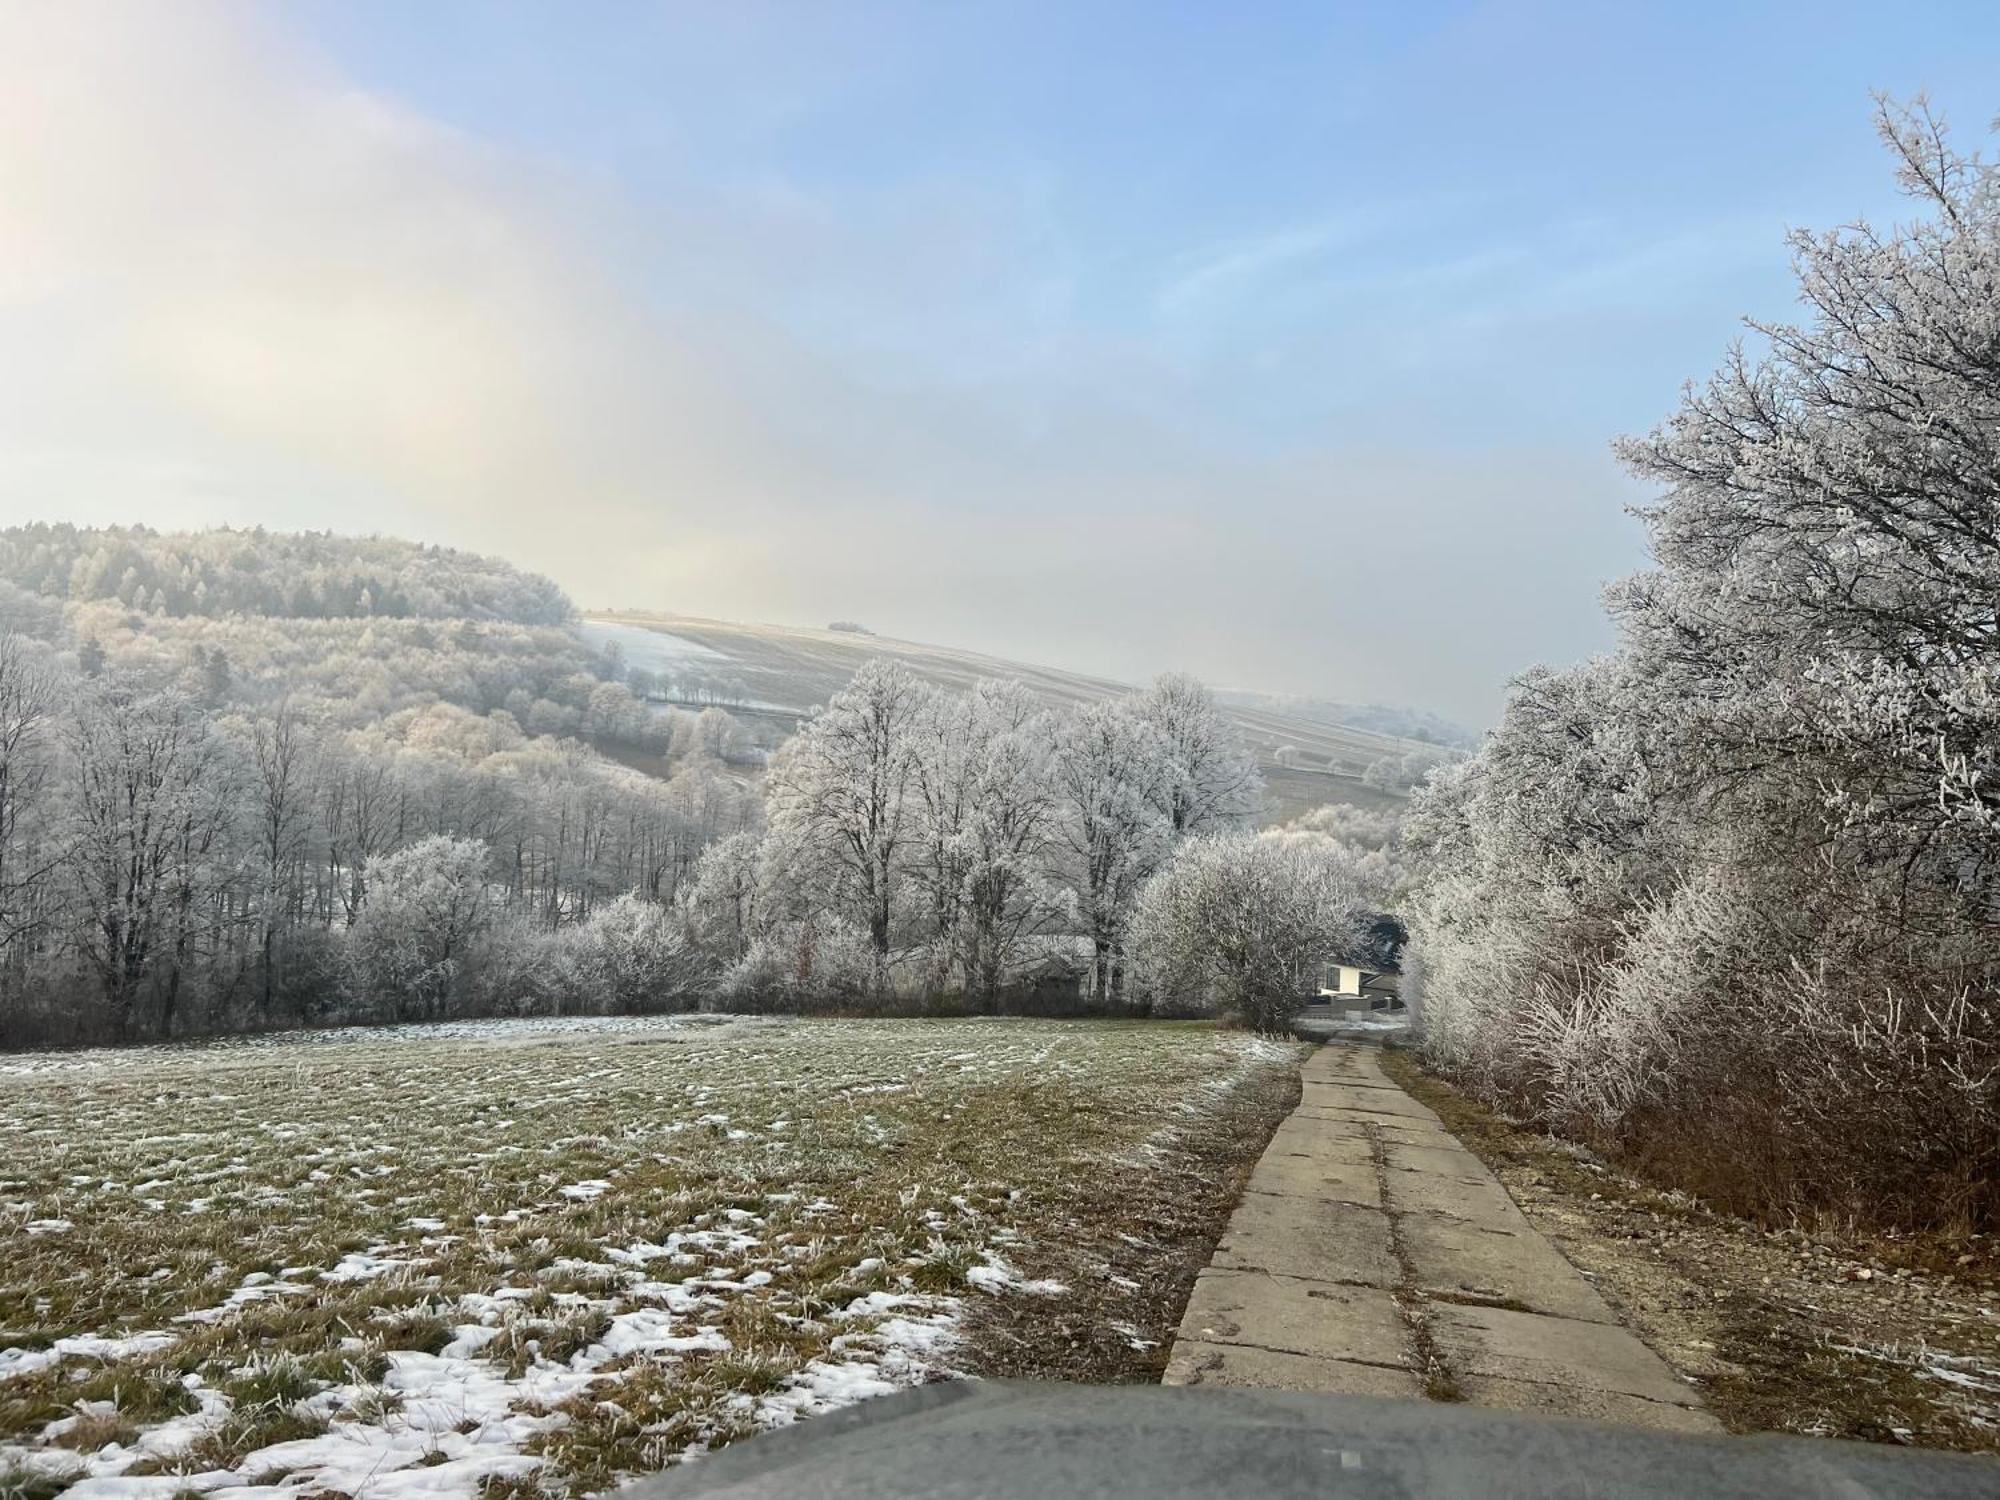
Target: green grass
661,1234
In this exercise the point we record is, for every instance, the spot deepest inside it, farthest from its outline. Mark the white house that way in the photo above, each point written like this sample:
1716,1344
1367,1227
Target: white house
1341,980
1350,987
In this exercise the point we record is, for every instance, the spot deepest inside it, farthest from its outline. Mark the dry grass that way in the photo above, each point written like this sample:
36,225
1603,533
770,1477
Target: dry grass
526,1258
1786,1330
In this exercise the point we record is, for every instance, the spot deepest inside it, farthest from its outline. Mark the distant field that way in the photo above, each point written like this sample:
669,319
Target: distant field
787,669
471,1259
1291,793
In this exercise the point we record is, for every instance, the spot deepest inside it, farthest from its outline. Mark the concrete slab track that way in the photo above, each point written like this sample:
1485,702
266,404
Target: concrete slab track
1373,1255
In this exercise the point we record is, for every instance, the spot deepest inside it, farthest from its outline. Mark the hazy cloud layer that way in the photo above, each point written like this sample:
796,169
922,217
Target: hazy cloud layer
237,285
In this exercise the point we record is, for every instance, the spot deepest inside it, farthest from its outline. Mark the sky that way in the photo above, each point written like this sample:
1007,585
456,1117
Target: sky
1283,343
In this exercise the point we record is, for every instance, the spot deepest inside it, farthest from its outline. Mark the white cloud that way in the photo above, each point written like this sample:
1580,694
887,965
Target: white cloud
235,286
1199,280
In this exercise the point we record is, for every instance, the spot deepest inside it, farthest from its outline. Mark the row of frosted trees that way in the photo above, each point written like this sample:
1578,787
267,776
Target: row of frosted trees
170,866
925,842
167,866
1729,899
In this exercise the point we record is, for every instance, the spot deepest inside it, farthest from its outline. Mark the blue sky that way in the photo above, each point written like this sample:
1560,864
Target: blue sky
1318,215
1281,342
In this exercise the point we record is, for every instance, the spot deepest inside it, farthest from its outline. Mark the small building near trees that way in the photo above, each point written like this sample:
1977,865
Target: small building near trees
1368,977
1349,985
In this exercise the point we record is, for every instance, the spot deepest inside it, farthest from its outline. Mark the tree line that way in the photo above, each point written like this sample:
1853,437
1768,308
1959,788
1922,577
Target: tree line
293,575
1728,900
170,867
175,866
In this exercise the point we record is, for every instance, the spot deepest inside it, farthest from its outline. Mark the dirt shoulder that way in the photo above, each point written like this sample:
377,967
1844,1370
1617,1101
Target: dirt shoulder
1780,1330
1136,1236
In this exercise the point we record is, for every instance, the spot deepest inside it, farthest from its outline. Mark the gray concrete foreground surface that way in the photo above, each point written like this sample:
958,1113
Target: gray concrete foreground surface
1024,1441
1372,1255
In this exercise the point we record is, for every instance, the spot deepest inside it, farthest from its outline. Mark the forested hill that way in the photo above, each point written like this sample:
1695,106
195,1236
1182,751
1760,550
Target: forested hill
235,795
208,741
295,575
373,634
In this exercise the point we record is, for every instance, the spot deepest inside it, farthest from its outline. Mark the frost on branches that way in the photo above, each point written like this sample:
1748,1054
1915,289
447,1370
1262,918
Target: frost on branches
1729,897
1242,923
928,843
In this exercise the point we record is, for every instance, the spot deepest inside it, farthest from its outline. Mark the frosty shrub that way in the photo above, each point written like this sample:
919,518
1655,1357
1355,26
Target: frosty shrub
632,958
424,910
820,963
1241,924
1621,1032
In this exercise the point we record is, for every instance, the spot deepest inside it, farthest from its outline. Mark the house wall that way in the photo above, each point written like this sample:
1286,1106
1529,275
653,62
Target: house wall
1339,979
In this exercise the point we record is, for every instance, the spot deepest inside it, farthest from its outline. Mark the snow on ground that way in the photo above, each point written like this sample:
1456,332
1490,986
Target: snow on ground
1333,1027
419,1261
525,1030
686,669
653,650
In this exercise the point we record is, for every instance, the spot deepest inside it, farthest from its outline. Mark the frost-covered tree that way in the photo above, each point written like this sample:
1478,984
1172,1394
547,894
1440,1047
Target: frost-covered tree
1008,837
1111,830
1828,535
426,908
1209,781
721,904
151,796
984,809
284,767
945,752
1242,923
844,784
31,692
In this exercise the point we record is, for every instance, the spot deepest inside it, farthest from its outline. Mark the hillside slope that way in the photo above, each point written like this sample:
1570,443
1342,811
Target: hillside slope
780,672
288,575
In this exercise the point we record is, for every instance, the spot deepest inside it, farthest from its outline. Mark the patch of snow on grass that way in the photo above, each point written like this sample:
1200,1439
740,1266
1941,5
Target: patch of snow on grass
999,1276
17,1361
650,1331
362,1265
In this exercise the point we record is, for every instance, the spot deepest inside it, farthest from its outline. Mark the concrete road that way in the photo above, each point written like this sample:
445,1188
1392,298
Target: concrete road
1373,1255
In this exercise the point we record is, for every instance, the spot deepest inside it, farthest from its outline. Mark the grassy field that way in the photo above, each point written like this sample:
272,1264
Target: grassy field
789,668
513,1257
